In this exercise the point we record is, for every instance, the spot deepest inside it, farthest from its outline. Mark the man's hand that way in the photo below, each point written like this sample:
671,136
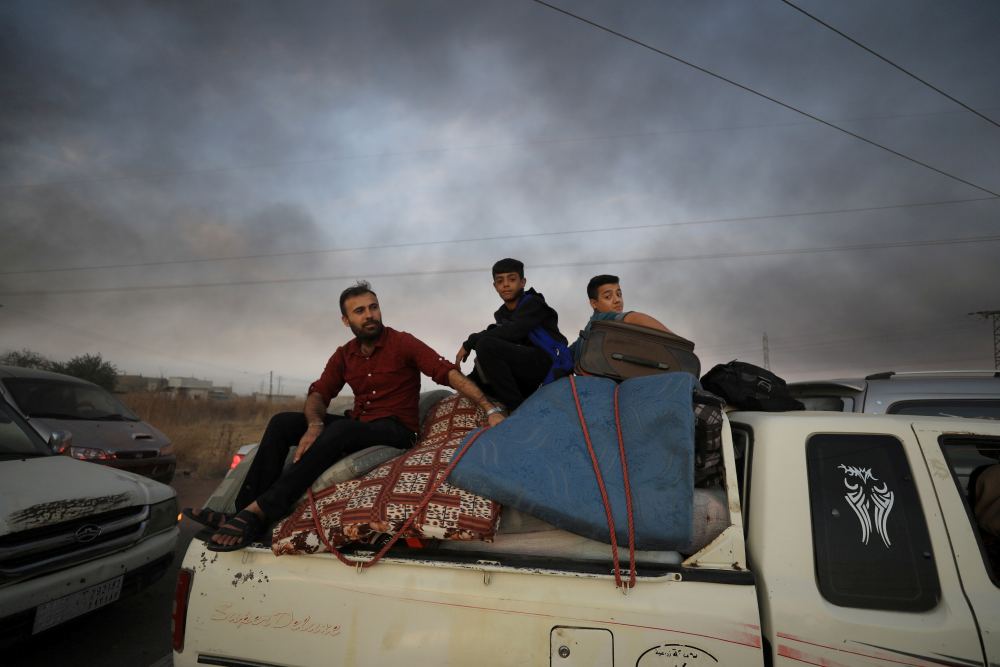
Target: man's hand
462,355
495,418
306,441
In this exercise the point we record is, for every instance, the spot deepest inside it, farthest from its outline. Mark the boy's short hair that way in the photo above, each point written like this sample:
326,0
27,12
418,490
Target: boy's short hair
357,289
599,281
509,265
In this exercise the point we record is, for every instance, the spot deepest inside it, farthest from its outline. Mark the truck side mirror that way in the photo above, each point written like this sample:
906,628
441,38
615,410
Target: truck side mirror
60,441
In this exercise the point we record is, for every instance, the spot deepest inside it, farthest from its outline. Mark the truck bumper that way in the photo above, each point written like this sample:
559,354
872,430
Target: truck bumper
140,565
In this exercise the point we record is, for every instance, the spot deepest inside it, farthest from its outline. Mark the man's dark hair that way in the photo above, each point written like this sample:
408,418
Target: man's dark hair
599,281
508,265
357,289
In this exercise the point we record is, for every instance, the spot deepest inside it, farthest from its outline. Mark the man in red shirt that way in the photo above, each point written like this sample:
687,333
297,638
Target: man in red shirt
382,367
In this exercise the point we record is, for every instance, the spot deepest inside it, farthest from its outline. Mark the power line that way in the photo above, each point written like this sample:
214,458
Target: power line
889,62
167,173
764,96
796,344
436,272
919,364
507,237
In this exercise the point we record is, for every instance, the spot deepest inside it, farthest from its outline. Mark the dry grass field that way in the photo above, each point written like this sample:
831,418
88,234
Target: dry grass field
206,433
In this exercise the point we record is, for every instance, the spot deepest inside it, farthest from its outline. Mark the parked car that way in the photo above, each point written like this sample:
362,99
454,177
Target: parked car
974,394
104,430
934,393
73,536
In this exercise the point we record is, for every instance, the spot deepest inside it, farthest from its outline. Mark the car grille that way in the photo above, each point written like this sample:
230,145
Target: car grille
140,454
160,471
38,550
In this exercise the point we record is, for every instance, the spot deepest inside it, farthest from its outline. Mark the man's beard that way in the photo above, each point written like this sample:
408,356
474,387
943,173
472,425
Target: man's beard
368,335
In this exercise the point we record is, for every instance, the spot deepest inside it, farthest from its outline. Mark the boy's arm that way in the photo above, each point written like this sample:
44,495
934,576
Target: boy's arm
529,314
470,344
644,320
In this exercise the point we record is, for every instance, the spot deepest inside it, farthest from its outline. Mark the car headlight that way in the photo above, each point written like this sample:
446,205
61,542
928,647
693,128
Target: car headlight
162,516
89,454
167,449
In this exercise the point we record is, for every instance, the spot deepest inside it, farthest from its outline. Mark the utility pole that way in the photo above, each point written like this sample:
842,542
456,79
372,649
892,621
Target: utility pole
270,386
767,353
995,316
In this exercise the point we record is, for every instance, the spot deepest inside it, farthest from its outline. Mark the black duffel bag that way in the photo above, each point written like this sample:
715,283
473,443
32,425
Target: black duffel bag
748,387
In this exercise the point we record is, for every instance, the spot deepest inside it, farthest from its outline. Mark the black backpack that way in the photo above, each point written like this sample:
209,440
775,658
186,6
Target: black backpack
748,387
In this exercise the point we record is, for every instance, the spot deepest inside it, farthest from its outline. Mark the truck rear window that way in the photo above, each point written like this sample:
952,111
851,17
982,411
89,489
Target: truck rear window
975,465
870,542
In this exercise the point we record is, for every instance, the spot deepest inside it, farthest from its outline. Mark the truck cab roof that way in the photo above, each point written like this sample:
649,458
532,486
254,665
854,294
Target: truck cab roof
944,393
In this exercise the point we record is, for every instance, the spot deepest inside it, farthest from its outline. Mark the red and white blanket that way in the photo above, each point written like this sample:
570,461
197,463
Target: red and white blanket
364,509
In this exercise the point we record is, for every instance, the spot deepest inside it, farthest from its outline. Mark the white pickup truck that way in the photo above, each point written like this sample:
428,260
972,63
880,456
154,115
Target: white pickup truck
849,541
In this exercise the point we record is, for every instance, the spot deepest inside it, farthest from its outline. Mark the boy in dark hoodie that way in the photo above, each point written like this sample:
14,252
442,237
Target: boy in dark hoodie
509,366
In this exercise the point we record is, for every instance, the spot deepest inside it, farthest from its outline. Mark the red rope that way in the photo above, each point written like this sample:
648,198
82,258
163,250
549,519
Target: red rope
458,456
409,520
604,491
628,494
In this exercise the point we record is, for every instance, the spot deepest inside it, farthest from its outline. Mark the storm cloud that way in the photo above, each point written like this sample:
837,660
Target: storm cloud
188,186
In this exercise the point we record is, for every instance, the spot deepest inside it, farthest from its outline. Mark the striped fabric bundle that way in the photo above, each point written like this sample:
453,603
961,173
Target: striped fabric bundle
377,504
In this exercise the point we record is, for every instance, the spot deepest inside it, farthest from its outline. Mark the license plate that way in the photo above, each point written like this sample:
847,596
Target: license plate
76,604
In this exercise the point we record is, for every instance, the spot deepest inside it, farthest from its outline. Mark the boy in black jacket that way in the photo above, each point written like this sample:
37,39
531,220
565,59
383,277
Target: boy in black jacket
509,364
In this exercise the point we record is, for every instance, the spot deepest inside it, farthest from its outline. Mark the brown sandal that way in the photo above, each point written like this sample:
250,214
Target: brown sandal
207,517
247,526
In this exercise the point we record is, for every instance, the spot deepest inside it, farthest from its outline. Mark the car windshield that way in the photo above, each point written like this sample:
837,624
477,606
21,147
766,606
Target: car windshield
14,440
56,399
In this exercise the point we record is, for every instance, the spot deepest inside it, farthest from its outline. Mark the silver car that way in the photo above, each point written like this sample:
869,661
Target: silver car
937,393
103,429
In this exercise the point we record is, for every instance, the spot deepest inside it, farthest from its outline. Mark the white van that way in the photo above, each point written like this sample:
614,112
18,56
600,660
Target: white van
104,430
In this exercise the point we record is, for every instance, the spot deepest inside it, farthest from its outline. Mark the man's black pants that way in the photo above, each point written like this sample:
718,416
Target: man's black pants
275,491
512,372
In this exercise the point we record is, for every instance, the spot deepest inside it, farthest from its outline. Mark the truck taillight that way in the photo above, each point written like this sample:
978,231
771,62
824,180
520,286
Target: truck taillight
179,616
236,460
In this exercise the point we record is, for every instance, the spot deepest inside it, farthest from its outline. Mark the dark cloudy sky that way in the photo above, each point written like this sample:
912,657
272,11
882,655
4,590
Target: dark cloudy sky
187,186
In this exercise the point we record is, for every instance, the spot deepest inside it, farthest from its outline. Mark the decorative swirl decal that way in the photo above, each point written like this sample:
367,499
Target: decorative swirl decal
867,496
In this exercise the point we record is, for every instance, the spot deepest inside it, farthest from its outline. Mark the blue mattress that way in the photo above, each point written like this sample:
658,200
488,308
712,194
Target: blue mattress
537,461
